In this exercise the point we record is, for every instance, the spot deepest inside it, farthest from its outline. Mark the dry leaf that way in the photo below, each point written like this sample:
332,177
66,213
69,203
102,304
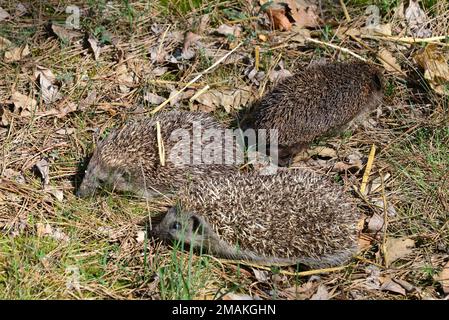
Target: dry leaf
226,30
4,43
300,35
380,30
93,44
50,92
375,223
230,99
159,71
278,75
58,194
389,285
235,296
436,69
63,33
417,20
397,248
88,101
443,278
321,293
388,60
261,275
152,98
278,18
42,167
66,131
47,230
304,16
190,38
3,14
20,10
158,55
140,238
391,211
17,54
23,102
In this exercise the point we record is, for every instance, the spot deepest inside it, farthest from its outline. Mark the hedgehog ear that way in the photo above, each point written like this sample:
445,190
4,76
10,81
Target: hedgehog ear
377,81
196,223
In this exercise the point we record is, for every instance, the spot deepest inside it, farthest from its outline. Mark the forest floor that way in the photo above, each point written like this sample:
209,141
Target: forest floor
62,89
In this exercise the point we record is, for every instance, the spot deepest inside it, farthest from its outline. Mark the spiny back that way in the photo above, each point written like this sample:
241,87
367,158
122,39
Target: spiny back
290,214
316,101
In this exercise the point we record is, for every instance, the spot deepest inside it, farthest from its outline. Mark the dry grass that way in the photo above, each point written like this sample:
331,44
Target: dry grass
94,248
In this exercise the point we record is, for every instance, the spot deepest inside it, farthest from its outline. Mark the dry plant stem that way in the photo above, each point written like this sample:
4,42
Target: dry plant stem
369,164
196,79
345,10
160,144
410,40
384,200
288,273
257,57
199,92
337,48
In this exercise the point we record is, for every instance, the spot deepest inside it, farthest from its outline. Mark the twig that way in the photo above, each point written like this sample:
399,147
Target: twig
368,169
384,200
160,144
257,57
337,47
288,273
345,10
195,79
410,40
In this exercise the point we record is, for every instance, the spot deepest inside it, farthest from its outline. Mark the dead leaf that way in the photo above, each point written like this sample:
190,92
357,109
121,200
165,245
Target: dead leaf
3,14
58,194
152,98
190,38
63,33
397,248
436,69
278,75
323,152
261,275
321,293
17,54
278,18
42,167
20,10
226,30
47,230
300,35
388,60
124,78
305,16
88,101
235,296
4,43
93,44
229,99
391,211
389,285
378,29
375,223
140,238
66,131
159,71
50,92
158,55
417,20
443,278
22,102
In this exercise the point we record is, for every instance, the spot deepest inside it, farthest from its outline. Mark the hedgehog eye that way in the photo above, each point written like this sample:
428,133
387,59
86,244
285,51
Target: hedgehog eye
175,226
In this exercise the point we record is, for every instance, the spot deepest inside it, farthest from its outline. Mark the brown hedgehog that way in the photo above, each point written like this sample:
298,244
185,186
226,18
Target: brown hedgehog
128,159
317,101
293,217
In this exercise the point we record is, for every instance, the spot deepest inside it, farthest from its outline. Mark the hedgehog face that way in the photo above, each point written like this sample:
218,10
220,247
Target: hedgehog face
98,175
185,228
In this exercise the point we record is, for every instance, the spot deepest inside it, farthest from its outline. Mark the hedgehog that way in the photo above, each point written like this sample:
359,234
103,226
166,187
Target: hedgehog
292,217
128,159
320,100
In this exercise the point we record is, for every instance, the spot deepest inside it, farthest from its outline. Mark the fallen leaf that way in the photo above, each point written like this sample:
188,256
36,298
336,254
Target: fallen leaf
158,55
20,10
50,92
63,33
397,248
254,75
377,29
417,20
93,44
17,54
391,211
375,223
159,71
388,60
140,238
58,194
305,16
66,131
152,98
229,99
22,102
376,184
42,167
300,35
235,296
14,175
124,78
88,101
436,69
389,285
321,293
443,278
323,152
261,275
278,75
190,38
3,14
278,18
4,43
226,30
47,230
